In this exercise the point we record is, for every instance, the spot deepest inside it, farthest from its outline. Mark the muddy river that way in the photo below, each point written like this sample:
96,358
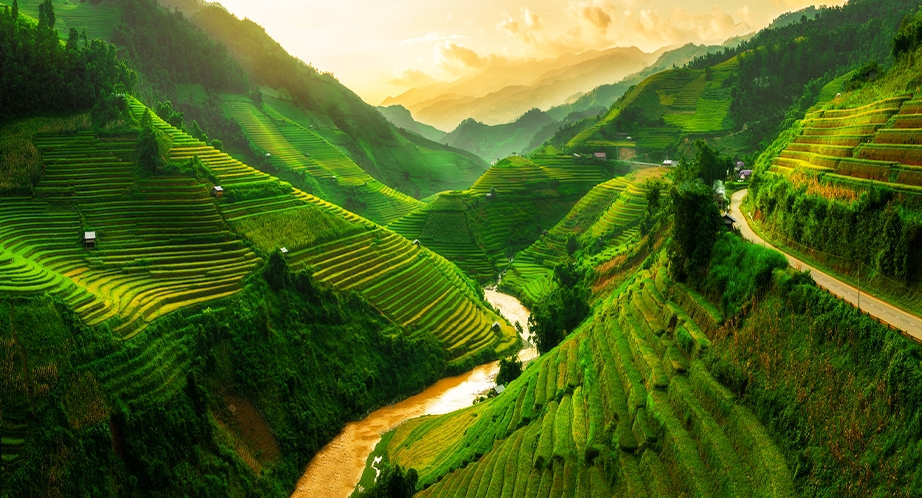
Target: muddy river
338,466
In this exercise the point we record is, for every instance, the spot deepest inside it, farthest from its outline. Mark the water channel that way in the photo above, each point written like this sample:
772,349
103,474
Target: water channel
338,466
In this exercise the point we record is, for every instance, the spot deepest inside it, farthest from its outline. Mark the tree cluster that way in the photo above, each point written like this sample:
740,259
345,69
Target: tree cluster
776,64
561,311
169,50
39,74
394,482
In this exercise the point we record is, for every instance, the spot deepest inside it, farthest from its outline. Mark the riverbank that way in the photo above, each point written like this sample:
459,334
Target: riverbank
338,466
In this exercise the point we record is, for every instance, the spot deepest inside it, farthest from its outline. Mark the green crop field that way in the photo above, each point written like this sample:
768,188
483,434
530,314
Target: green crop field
97,18
412,286
623,407
604,221
670,104
161,242
504,211
165,243
295,148
407,162
878,143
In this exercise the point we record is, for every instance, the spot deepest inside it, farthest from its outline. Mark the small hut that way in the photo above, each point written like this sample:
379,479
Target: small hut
217,191
284,251
668,163
495,327
745,175
499,389
416,242
601,156
729,221
89,240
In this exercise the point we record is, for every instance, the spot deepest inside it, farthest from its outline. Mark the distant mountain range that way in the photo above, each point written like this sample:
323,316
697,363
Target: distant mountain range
502,93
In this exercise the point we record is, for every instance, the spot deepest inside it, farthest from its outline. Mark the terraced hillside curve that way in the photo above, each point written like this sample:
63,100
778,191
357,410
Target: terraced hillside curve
880,143
295,148
505,210
161,242
623,407
603,222
410,285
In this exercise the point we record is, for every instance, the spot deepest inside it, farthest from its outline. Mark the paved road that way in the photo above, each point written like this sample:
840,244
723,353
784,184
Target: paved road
910,324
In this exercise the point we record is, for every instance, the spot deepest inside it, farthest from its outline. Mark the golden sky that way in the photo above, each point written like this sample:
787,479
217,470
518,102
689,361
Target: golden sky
382,48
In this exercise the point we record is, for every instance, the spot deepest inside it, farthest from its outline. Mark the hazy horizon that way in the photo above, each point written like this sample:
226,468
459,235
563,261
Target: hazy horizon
383,49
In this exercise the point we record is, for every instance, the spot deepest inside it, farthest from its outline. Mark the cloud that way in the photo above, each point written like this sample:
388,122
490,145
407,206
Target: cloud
456,58
411,78
683,26
526,28
598,15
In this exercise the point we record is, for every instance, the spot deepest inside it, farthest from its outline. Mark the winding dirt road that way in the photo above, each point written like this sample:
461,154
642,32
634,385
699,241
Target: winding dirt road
895,317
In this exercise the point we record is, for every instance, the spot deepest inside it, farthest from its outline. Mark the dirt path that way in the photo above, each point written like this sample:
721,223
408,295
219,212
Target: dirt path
881,310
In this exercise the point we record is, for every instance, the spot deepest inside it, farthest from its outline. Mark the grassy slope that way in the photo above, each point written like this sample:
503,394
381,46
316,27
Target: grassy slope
164,243
625,406
228,399
99,19
847,146
493,142
401,117
673,103
417,167
480,233
300,152
412,286
604,222
656,394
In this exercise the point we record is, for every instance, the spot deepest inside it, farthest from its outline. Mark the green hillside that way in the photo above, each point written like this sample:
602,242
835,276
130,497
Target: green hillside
401,117
602,224
97,19
151,301
491,143
738,98
479,229
412,286
843,186
658,394
300,153
411,164
651,116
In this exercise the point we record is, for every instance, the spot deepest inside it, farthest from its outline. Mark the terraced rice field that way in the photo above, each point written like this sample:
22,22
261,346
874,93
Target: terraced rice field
165,243
295,148
879,143
606,216
507,205
623,407
687,101
161,243
443,226
411,285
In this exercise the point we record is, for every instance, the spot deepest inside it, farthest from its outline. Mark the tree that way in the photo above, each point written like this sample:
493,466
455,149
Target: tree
695,228
15,9
393,482
46,15
709,164
572,245
509,370
561,311
148,156
72,38
276,272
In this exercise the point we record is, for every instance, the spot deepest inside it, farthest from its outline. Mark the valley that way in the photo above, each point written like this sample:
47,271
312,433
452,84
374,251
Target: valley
688,271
